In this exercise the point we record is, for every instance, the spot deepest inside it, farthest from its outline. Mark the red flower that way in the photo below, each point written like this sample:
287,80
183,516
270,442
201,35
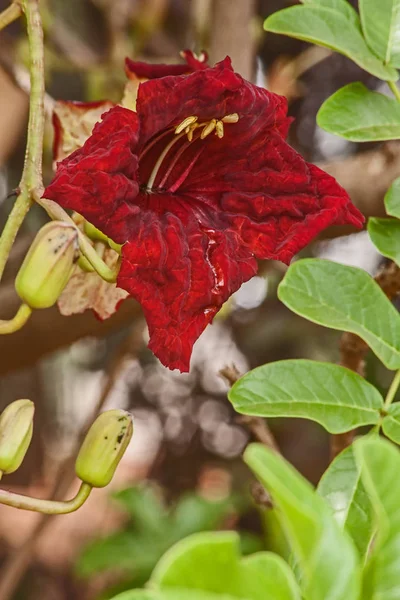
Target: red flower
199,183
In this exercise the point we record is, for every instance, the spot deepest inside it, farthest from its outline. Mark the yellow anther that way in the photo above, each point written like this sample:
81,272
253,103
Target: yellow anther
185,123
189,132
209,128
233,118
219,129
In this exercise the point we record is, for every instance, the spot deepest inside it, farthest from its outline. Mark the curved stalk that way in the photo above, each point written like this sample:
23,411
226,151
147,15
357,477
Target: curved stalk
49,507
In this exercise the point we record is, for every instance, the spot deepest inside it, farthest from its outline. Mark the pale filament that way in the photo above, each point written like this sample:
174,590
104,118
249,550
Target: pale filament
187,128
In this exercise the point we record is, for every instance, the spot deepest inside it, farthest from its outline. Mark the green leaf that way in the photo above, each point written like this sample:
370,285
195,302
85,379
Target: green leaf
328,27
176,594
385,235
212,562
381,26
325,556
340,6
342,488
391,423
333,396
392,199
344,298
359,115
380,470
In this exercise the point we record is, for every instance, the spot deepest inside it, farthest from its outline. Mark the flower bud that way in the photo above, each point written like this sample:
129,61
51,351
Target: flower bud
93,233
16,427
103,447
47,265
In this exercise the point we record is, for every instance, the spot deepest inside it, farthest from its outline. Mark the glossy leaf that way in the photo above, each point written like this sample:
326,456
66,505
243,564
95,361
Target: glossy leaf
381,27
380,468
392,199
212,562
325,556
342,488
328,27
391,423
333,396
359,115
385,235
344,298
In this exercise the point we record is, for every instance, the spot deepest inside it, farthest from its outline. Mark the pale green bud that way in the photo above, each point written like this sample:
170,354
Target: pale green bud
48,264
16,427
103,447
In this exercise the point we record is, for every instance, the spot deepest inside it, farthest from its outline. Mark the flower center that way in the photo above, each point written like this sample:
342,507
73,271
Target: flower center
188,127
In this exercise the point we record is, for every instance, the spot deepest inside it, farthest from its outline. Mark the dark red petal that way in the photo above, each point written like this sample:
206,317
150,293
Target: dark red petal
99,180
181,269
211,93
143,70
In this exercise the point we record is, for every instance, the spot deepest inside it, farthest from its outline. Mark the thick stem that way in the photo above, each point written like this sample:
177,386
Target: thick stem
14,222
32,173
10,14
48,507
14,324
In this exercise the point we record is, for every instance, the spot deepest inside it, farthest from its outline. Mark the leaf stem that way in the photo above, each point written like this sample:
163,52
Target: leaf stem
17,322
49,507
395,90
392,390
10,14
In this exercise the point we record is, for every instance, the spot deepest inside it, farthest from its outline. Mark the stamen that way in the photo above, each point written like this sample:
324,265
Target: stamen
209,128
185,123
189,132
158,164
219,129
233,118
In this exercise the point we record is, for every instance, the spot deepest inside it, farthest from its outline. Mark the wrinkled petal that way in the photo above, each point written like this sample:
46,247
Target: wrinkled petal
181,264
89,291
142,70
73,123
99,179
212,93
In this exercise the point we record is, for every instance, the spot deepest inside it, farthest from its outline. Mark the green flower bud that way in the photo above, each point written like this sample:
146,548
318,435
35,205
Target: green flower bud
16,427
93,233
48,264
103,447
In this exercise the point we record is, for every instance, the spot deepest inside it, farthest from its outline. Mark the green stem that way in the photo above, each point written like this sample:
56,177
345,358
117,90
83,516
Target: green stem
32,173
49,507
10,14
17,322
14,222
395,90
392,390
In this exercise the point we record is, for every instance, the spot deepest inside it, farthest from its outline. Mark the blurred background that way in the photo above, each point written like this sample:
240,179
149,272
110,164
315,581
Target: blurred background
183,471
